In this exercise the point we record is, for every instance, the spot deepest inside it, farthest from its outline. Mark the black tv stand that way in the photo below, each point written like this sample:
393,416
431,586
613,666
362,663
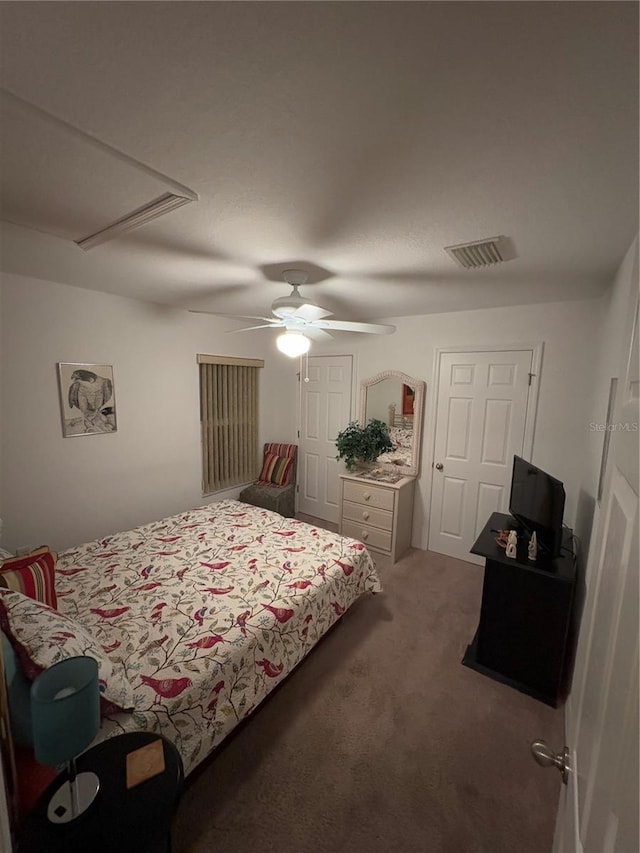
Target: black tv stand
522,636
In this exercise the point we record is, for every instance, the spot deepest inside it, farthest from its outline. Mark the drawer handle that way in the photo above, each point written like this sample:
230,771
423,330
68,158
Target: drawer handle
365,534
367,496
365,515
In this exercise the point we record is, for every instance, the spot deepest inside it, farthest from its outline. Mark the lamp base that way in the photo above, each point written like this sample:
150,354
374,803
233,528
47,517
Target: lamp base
70,801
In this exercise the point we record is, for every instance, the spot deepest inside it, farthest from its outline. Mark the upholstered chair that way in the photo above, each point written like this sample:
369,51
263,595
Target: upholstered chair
275,488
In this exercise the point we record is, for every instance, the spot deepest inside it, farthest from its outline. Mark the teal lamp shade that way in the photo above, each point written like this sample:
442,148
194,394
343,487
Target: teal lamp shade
65,710
65,718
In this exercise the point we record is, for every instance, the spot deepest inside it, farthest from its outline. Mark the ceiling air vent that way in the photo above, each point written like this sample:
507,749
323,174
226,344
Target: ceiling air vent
480,253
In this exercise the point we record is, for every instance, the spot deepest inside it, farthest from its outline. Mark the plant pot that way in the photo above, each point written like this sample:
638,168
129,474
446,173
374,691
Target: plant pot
360,466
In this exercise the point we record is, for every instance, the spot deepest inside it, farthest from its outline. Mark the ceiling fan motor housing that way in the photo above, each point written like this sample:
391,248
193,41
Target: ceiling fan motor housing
285,306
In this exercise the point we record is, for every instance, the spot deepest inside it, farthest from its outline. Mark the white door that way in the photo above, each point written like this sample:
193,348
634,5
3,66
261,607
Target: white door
599,808
480,424
325,410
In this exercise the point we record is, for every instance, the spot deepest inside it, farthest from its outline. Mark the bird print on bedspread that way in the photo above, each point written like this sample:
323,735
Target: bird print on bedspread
206,616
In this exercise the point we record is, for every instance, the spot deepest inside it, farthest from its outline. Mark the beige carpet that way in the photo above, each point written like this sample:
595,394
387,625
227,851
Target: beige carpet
381,741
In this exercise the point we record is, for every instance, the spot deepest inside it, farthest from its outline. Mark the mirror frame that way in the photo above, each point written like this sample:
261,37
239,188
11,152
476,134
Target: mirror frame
419,387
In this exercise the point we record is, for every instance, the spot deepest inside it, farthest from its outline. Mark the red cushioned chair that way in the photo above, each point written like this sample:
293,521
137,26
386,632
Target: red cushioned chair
275,488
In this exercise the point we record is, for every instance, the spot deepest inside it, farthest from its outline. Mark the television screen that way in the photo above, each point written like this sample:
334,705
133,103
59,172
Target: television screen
537,503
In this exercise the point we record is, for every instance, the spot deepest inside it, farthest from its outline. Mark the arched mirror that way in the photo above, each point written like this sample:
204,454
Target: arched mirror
398,400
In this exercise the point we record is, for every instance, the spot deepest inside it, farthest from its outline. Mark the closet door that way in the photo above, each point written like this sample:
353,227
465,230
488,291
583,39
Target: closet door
325,409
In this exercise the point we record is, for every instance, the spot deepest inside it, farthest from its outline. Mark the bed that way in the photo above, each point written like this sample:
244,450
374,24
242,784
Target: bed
207,611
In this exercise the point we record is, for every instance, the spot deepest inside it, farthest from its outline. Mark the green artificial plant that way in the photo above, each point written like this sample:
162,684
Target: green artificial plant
357,443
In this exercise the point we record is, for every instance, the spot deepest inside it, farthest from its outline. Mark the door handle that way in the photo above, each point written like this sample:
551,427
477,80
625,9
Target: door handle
546,758
439,466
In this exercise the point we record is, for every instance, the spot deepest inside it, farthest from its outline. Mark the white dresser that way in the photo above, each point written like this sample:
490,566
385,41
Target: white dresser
377,513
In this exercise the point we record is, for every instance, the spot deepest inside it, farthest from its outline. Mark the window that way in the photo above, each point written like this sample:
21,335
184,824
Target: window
229,420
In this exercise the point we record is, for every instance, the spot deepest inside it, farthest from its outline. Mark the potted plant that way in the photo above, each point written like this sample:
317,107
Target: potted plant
362,444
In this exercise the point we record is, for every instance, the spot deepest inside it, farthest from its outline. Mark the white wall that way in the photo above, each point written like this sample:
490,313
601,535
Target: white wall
63,491
614,322
567,329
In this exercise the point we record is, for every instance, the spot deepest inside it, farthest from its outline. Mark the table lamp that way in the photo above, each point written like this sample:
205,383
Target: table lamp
65,715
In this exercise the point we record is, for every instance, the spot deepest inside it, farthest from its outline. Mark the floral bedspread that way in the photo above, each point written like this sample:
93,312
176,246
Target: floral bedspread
402,440
208,610
401,436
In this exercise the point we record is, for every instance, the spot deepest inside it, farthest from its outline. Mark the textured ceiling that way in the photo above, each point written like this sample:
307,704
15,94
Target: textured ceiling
357,138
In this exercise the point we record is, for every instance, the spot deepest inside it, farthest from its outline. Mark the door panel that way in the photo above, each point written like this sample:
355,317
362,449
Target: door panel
325,410
495,441
309,485
490,498
452,507
458,428
480,423
333,482
598,813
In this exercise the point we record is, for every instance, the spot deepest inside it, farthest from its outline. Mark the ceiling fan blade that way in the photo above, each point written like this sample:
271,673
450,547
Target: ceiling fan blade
347,326
251,328
316,334
311,313
250,317
233,316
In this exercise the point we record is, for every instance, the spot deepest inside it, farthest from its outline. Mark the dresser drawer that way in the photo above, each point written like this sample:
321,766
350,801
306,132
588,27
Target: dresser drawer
365,493
369,535
368,515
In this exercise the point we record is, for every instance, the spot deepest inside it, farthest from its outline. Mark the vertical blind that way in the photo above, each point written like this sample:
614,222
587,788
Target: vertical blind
229,421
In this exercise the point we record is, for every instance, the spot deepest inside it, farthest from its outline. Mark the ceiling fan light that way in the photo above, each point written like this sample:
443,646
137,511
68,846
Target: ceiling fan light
293,344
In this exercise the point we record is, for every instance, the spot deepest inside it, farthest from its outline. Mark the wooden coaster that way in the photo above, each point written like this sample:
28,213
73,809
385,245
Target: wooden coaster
145,763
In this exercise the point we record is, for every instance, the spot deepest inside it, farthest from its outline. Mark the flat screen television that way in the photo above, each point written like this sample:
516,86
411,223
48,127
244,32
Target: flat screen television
537,504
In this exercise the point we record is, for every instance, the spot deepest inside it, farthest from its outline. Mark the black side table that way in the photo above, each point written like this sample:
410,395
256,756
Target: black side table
134,820
523,638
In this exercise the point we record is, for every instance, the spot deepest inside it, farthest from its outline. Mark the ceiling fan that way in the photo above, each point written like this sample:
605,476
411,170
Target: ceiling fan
303,321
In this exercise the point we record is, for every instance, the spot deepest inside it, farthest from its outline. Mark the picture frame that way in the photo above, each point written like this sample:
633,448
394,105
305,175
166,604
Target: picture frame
87,399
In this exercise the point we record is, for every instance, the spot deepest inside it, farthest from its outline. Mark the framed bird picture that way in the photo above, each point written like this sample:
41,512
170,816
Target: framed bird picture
87,399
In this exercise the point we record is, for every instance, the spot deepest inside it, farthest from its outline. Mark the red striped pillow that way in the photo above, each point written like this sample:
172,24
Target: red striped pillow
275,469
33,575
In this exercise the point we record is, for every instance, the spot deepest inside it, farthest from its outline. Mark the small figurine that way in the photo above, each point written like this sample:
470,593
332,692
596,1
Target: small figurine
533,547
512,544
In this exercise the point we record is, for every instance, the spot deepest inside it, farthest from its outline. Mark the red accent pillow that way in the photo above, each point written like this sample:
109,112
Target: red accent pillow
275,469
33,575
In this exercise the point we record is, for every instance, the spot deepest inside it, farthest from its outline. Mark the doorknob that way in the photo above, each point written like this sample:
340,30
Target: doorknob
546,758
439,466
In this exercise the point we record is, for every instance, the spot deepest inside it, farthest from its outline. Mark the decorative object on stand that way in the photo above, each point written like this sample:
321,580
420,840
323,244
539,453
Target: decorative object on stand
533,547
512,544
303,321
65,712
363,444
